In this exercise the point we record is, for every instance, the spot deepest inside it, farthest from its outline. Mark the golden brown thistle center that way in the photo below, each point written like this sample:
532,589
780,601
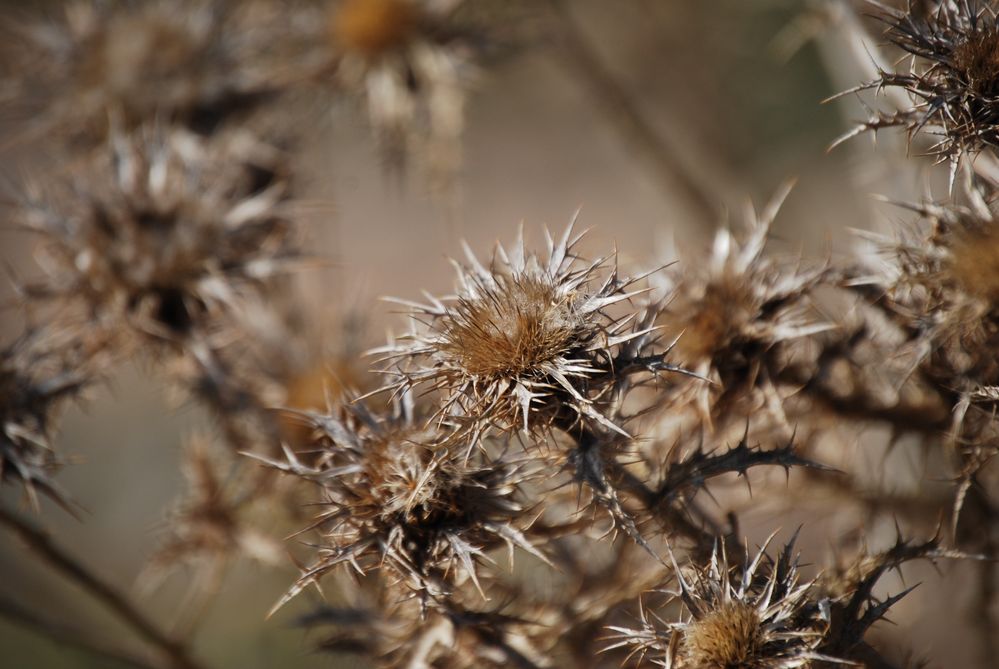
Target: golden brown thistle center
729,637
977,60
511,329
372,27
709,322
974,263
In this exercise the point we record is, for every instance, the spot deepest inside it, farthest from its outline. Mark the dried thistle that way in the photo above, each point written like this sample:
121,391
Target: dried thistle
38,372
191,63
396,501
412,62
209,525
851,605
754,617
952,76
528,342
734,317
173,232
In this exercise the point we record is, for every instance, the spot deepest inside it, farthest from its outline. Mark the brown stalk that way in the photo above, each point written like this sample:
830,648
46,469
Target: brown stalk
175,654
622,113
71,636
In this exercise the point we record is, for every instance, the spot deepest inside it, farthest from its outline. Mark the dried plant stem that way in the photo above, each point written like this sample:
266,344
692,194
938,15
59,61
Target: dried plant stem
983,617
622,113
70,636
175,654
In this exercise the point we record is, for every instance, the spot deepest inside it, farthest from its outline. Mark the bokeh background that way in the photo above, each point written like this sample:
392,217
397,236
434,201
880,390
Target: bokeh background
731,89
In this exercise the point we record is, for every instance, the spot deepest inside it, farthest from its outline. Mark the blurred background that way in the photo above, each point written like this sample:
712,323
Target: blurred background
696,108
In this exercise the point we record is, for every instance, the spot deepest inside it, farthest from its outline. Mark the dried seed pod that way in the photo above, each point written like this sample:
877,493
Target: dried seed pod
396,502
412,63
191,63
952,76
734,317
759,616
171,233
38,372
527,343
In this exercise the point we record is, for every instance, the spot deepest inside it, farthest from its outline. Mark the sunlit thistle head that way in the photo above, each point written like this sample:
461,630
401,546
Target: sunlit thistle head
526,343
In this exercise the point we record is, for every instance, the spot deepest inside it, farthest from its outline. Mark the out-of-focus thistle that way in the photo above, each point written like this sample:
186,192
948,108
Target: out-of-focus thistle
396,501
38,372
939,286
412,62
735,318
952,78
187,62
162,232
211,525
759,616
528,342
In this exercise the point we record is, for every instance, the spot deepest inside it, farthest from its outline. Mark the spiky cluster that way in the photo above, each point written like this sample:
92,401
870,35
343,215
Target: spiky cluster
736,318
527,343
38,372
396,500
951,75
172,232
411,62
192,63
756,616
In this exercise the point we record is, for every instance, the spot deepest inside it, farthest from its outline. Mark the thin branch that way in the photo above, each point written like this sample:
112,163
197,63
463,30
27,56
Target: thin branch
71,636
622,112
174,653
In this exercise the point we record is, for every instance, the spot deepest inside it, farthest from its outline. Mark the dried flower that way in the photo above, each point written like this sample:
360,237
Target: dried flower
209,526
527,343
756,617
172,233
733,317
191,63
412,62
952,78
38,372
396,501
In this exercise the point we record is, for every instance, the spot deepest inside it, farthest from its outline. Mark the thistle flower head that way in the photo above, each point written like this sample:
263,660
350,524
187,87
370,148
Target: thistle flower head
412,63
755,617
527,342
952,76
162,232
741,309
38,372
941,283
188,62
393,500
209,524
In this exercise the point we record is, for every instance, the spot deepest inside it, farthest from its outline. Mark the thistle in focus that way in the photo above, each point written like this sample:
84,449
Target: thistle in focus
760,616
529,342
950,72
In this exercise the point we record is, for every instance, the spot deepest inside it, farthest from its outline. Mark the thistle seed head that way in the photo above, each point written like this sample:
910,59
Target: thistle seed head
755,617
163,232
187,62
951,76
741,311
39,371
396,502
527,343
728,637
